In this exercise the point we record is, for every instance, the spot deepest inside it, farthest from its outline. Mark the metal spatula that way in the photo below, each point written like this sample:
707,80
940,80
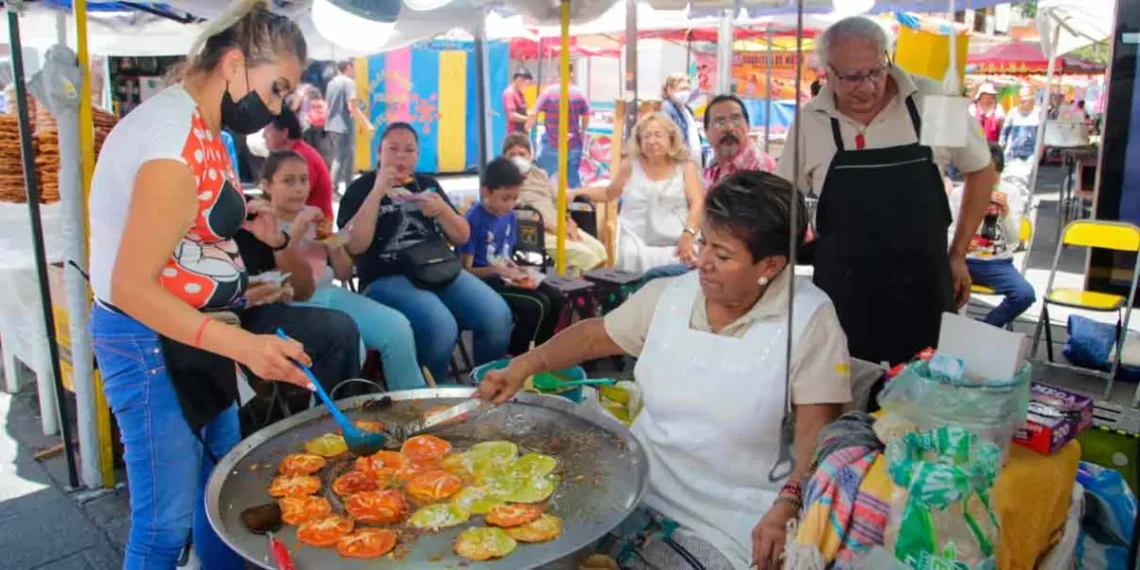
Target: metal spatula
401,432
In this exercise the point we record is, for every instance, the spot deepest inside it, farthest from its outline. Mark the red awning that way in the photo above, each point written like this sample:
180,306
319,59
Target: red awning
1021,58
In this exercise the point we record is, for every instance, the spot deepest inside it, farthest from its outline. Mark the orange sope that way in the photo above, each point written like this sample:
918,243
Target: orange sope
367,543
355,482
324,531
426,448
380,507
433,486
296,510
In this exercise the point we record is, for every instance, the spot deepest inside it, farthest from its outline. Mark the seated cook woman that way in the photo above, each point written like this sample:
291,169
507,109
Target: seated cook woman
403,230
661,198
285,180
711,355
583,251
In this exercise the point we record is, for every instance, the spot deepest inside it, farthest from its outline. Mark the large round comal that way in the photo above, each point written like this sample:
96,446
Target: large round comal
602,468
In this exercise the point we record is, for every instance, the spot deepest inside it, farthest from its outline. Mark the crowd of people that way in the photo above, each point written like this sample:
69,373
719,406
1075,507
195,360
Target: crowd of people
190,277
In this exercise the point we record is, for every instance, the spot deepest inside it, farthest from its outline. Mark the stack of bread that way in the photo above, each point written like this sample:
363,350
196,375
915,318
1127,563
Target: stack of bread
11,163
47,153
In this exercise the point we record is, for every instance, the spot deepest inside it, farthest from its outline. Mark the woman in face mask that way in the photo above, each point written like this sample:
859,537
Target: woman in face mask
583,251
165,204
675,103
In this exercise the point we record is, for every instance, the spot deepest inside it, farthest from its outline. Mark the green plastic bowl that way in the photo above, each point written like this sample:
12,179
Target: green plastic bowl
574,394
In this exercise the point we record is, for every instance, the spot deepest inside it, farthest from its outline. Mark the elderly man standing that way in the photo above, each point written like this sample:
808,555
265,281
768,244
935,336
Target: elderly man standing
881,249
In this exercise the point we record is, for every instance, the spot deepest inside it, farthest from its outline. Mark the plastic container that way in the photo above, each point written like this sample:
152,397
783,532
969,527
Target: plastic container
574,394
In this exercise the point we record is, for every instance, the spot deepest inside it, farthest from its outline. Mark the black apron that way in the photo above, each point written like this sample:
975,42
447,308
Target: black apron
881,250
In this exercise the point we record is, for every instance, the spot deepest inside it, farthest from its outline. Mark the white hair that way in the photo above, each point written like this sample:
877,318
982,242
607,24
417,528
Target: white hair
859,27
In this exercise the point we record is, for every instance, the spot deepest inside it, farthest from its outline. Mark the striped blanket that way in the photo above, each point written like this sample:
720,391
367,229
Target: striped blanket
846,500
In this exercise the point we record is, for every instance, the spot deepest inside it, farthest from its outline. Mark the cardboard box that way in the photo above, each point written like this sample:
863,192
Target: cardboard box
1056,417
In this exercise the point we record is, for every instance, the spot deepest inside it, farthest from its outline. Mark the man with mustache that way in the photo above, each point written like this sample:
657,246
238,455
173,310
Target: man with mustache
727,126
881,250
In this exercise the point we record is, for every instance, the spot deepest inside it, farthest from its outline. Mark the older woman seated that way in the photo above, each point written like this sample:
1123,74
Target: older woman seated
661,193
402,231
583,251
711,349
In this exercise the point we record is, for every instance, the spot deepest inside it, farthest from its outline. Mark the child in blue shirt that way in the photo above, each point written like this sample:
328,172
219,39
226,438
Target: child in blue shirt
489,251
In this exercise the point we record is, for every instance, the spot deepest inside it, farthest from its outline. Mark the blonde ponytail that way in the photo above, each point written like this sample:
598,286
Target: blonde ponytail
237,10
250,26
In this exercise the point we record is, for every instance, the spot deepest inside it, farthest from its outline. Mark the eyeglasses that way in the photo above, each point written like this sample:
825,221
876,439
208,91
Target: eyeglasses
856,79
736,120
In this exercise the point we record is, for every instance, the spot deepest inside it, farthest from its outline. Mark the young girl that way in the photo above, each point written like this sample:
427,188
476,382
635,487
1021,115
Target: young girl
488,253
285,179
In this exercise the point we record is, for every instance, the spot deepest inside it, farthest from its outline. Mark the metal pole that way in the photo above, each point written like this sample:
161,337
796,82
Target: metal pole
82,358
539,88
793,237
563,139
32,187
724,53
481,92
768,97
631,90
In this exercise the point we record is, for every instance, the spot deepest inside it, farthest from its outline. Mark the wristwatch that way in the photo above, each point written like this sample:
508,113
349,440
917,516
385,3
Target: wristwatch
284,244
692,231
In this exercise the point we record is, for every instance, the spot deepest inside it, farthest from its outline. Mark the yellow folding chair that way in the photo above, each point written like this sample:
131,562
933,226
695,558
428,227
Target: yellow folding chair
1117,236
1025,237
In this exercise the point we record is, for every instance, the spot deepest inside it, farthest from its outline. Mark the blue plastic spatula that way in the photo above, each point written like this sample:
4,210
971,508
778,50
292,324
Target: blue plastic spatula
359,442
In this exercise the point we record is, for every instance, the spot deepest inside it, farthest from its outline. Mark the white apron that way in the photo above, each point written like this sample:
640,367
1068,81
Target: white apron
711,421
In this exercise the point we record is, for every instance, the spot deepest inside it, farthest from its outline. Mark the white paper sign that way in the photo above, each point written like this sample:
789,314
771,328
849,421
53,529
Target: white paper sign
989,352
944,121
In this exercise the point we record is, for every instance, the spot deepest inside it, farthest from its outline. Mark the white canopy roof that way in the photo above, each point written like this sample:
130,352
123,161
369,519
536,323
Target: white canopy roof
1075,23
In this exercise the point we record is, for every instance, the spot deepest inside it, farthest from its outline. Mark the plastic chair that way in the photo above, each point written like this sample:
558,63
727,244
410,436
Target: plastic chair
1116,236
531,243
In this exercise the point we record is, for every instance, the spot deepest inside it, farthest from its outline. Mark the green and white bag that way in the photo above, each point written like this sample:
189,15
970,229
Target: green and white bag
942,512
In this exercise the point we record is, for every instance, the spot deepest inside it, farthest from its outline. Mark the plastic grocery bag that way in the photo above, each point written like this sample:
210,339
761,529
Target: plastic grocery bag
942,514
1107,524
993,409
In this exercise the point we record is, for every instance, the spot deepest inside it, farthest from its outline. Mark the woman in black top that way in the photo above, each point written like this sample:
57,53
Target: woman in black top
402,232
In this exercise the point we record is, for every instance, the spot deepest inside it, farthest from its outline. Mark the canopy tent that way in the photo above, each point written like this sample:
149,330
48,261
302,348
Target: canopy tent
1066,25
1023,58
528,49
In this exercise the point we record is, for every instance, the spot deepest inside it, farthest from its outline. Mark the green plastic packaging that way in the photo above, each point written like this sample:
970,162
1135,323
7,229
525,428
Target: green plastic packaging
942,514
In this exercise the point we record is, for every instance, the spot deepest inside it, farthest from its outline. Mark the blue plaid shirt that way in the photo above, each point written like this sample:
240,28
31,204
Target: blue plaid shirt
1019,135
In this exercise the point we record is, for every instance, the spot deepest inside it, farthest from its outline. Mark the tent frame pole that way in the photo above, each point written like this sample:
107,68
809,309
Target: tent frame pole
31,185
563,140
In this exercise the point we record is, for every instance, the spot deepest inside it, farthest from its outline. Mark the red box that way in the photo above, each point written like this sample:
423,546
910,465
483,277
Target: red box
1056,417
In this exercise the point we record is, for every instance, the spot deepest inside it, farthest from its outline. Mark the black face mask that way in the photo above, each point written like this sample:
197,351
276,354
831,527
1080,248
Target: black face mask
247,115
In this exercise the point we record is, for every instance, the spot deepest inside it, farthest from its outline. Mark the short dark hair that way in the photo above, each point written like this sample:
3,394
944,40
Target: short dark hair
274,161
998,156
516,139
287,120
523,73
755,207
343,65
723,97
399,126
501,173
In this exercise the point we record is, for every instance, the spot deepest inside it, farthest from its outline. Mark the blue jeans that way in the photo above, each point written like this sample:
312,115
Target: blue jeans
438,316
548,161
1001,276
166,467
665,271
383,329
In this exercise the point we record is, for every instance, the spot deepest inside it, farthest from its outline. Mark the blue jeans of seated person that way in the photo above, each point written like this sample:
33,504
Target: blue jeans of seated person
167,468
438,316
664,271
1001,276
383,329
548,161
